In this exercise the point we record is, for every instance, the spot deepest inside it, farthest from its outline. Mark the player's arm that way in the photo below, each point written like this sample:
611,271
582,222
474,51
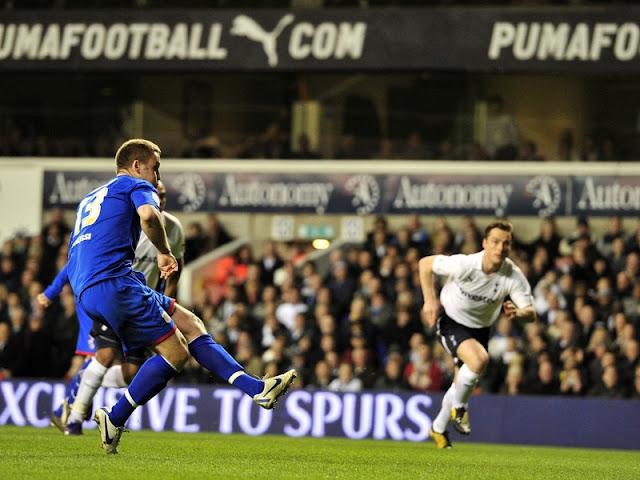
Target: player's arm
171,290
53,290
177,247
521,305
151,223
449,266
525,314
430,308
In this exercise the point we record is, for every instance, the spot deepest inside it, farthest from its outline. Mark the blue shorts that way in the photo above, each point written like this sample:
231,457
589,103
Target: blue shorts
139,315
85,345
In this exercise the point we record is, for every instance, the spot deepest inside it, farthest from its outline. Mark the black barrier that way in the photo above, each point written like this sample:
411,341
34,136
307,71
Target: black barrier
374,415
499,39
498,195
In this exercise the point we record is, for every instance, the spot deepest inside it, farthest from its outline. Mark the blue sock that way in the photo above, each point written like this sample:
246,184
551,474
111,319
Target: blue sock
216,359
148,382
72,389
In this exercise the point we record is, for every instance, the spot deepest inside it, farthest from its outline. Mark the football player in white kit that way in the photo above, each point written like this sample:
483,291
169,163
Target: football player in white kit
146,253
471,299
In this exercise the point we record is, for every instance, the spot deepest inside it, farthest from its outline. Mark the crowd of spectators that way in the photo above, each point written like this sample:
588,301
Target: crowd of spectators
275,143
359,325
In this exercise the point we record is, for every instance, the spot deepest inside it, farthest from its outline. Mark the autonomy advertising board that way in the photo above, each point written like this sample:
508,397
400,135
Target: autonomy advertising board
361,194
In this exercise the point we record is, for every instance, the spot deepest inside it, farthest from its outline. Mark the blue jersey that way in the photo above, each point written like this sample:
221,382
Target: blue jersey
107,230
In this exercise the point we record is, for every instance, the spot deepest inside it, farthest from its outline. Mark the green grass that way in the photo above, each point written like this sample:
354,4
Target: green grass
34,453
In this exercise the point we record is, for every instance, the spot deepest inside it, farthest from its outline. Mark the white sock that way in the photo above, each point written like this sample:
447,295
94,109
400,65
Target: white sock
114,377
465,381
91,381
442,420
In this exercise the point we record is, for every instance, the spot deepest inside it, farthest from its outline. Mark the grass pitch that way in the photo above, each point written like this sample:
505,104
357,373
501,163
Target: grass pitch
29,453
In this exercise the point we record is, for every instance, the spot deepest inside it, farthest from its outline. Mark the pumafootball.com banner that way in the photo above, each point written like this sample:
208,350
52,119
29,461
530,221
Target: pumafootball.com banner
529,39
587,422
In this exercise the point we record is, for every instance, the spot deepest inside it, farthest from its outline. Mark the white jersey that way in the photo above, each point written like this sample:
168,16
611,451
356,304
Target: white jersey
473,298
146,260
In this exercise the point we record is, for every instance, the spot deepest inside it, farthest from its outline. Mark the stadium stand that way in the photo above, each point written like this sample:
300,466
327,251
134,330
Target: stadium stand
359,326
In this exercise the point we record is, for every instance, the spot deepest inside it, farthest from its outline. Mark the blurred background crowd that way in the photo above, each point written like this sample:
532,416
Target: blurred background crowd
359,326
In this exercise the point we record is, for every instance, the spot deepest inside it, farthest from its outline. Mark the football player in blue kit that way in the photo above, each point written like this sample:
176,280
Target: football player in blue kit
101,250
99,342
84,352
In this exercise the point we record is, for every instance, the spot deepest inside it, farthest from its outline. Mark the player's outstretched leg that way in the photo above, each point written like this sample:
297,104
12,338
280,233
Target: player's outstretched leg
216,359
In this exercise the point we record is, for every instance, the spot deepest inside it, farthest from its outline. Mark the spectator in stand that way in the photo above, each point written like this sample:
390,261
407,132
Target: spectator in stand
549,239
629,360
386,150
419,235
347,148
608,386
632,268
447,151
9,274
303,150
501,135
469,239
614,231
545,382
633,241
415,148
422,373
379,237
476,152
566,147
529,152
571,382
322,377
342,288
208,146
635,391
514,378
215,233
290,308
631,304
346,382
363,367
195,243
53,237
609,150
270,261
272,143
392,379
5,335
617,258
591,152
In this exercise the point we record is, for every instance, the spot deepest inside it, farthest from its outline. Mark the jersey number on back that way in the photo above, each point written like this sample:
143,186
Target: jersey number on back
89,210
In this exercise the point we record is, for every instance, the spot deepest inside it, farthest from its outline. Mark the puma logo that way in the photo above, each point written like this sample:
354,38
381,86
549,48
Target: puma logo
244,26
